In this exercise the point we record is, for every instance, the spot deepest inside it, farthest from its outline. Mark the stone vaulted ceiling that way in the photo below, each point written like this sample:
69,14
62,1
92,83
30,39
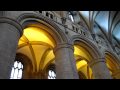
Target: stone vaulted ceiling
108,23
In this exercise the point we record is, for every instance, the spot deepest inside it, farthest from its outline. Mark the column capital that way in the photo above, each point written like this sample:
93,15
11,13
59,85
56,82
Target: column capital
13,22
63,45
95,61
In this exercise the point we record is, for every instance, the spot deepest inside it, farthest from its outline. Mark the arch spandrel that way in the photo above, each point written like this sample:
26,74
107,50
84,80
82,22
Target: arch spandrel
50,31
32,18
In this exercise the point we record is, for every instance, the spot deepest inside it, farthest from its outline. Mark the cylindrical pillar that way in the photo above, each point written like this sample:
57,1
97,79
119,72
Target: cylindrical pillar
99,69
10,32
65,62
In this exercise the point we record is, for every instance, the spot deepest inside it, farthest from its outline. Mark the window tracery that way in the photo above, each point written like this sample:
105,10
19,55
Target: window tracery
17,70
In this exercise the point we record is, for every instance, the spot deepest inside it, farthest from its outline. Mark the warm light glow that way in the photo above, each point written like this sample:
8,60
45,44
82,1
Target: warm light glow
110,62
81,64
49,57
37,44
21,42
81,52
39,51
109,65
37,34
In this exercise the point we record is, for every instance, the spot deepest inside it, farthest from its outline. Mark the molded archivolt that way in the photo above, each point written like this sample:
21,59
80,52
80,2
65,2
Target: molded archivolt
40,36
32,18
84,52
112,62
91,48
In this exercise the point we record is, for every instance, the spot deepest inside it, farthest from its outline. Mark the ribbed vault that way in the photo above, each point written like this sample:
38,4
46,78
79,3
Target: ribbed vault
108,22
38,45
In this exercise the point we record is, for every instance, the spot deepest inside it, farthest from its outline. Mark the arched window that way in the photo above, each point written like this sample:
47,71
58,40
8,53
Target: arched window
17,70
71,17
51,72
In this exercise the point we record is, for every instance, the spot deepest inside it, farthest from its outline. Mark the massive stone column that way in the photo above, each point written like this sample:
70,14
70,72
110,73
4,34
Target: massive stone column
99,69
10,32
65,62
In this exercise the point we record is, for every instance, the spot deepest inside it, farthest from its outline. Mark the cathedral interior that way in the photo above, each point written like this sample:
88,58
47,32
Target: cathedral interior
59,45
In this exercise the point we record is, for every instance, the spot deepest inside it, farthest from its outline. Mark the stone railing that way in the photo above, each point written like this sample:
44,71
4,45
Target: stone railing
77,28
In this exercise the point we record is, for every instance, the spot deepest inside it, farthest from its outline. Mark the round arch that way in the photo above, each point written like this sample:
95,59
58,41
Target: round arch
27,19
89,52
36,20
114,58
112,62
88,45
